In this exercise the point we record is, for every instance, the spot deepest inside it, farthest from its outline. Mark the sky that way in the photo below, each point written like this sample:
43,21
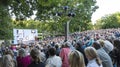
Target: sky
105,7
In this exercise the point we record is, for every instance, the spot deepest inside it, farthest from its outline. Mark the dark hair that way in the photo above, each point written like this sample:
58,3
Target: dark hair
52,51
96,45
56,46
37,47
80,43
117,43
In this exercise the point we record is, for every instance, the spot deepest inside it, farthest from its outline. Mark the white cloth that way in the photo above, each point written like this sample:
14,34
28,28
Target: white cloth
93,63
54,61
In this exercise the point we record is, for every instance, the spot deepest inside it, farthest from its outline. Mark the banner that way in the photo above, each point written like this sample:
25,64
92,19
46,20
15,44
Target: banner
24,36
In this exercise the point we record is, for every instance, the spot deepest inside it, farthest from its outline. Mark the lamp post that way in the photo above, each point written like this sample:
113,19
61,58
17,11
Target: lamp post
68,14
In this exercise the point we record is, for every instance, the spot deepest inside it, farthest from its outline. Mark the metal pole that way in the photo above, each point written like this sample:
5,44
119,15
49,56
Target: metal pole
67,30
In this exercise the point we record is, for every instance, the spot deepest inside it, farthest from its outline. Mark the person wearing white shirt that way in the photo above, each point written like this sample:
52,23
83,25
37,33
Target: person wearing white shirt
92,56
53,60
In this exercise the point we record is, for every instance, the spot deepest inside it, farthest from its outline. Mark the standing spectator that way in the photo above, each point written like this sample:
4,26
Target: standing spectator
57,50
93,58
10,52
108,46
42,54
78,47
36,60
53,60
8,61
64,54
23,60
106,60
115,54
76,56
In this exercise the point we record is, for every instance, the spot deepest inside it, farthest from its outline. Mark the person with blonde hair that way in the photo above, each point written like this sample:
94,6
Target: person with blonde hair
76,56
92,56
106,59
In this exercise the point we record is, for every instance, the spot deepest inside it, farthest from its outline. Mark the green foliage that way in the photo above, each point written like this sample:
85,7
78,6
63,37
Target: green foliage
5,23
46,10
109,21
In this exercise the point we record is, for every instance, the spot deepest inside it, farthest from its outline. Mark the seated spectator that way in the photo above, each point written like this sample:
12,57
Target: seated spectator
53,60
93,58
76,56
36,60
23,60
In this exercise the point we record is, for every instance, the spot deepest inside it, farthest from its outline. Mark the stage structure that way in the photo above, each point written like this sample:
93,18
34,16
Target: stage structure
24,36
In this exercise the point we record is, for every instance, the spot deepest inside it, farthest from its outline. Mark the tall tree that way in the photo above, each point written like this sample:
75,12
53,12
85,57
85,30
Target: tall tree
109,21
5,23
45,11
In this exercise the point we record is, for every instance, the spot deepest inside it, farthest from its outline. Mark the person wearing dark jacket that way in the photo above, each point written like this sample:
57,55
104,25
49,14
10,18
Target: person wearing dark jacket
78,47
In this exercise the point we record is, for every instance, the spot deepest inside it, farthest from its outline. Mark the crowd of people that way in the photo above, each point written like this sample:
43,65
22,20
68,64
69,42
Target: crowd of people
93,48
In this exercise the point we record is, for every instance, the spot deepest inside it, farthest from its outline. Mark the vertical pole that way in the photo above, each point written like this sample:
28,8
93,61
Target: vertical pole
67,30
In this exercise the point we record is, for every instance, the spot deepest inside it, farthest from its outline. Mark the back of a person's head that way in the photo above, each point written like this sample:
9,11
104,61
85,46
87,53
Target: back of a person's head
108,46
56,46
92,54
22,52
76,56
37,47
101,42
10,52
80,43
35,54
117,43
52,51
67,44
8,61
96,45
91,51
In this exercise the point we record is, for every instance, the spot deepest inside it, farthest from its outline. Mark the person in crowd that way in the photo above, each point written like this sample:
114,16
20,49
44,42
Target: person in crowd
64,54
115,54
8,61
108,46
23,60
57,49
10,52
92,56
53,60
36,59
46,51
42,54
106,59
78,47
76,56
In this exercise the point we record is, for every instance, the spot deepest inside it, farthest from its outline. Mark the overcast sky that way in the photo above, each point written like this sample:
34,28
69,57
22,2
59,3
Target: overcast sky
105,7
